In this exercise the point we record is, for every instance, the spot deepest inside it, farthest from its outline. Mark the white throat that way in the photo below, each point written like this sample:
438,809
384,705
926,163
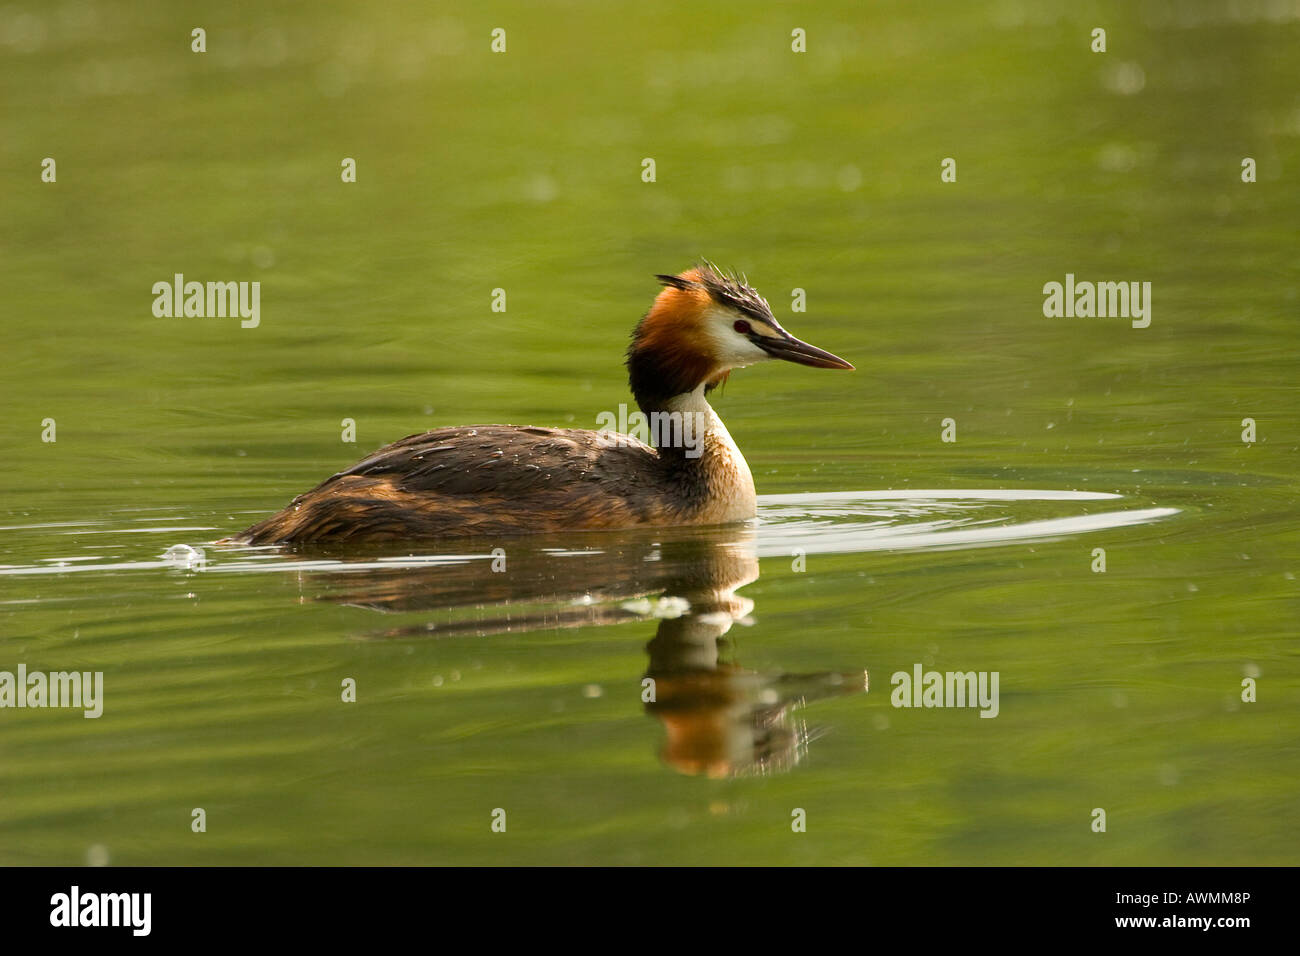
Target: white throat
729,474
697,407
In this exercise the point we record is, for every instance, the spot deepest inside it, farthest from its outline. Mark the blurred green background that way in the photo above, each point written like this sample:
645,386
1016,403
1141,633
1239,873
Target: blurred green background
522,170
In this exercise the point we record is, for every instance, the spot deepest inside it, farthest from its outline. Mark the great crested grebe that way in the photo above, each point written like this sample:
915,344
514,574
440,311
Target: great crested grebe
507,479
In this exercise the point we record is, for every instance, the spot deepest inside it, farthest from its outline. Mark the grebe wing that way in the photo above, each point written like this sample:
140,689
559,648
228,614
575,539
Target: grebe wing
507,459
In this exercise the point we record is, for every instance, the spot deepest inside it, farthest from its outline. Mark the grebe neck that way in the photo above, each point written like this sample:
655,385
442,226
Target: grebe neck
711,468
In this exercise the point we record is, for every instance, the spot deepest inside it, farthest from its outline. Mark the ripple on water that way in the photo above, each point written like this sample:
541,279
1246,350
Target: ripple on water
817,523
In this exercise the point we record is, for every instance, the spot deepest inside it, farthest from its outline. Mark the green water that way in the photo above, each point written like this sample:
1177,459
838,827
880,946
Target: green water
522,689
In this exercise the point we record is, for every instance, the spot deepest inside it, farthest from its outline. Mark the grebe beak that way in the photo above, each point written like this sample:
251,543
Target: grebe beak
790,349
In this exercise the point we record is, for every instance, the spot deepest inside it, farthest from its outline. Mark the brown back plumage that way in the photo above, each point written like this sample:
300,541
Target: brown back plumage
489,480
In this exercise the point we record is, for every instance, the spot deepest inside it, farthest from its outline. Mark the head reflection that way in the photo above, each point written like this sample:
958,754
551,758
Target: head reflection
721,719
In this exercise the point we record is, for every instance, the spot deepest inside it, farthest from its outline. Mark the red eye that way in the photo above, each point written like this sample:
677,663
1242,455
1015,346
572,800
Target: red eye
741,326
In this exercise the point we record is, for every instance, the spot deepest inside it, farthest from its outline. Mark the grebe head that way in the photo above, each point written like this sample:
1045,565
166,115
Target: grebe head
702,325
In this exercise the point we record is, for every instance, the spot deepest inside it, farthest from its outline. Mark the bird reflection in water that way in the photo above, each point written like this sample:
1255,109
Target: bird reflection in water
720,718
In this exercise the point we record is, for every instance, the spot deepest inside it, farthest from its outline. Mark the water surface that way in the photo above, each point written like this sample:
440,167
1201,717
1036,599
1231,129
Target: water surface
771,647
